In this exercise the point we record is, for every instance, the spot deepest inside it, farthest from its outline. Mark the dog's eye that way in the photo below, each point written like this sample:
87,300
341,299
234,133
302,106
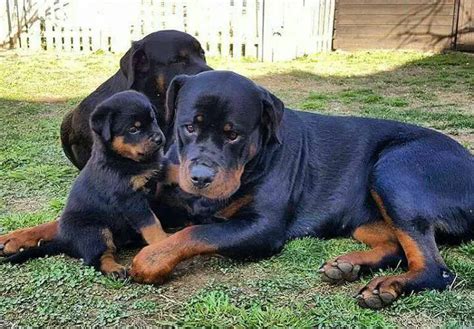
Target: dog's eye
190,128
134,130
231,135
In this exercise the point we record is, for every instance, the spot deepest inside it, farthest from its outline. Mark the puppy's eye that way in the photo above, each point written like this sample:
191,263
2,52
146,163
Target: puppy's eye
134,130
190,128
231,135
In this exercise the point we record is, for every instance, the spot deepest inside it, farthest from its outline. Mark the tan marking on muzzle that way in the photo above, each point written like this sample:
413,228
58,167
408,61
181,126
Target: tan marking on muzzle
134,152
225,183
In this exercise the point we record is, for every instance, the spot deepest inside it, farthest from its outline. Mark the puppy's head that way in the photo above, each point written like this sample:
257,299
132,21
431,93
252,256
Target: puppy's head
222,121
126,125
151,63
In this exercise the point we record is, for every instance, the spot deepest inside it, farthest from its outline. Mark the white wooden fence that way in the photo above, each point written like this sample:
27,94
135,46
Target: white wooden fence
269,30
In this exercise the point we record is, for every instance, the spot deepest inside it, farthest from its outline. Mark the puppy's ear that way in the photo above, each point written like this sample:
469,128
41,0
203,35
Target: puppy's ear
172,95
134,63
100,122
272,114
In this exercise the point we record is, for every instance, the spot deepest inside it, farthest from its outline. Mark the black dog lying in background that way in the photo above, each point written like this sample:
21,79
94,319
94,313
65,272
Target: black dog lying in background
108,201
148,66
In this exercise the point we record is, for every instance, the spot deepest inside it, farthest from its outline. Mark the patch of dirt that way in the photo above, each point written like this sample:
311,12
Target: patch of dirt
25,204
464,139
51,99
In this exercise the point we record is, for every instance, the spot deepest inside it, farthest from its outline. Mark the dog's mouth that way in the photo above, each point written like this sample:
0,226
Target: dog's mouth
224,183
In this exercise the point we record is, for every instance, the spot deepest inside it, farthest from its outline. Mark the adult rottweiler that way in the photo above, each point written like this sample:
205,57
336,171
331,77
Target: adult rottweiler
108,206
285,174
148,66
267,174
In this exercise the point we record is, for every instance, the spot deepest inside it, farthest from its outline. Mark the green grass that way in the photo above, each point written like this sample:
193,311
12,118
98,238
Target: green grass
435,91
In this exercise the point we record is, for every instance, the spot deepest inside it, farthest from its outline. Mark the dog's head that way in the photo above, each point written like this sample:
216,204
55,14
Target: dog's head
222,121
151,63
126,125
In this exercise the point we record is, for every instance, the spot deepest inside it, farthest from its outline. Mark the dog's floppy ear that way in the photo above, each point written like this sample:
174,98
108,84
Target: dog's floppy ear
100,122
134,63
272,114
171,95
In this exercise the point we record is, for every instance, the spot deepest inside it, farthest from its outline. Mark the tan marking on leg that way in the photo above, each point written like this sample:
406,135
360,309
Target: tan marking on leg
382,291
153,233
155,262
29,237
108,263
413,253
380,237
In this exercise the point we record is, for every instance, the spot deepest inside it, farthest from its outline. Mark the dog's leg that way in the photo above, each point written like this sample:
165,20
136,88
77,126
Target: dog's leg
153,233
426,268
31,237
236,238
108,262
385,252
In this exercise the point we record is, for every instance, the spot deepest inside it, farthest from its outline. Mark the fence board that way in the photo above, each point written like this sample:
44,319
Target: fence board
227,28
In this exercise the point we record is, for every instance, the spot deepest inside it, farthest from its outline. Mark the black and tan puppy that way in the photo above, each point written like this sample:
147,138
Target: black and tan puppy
107,206
148,66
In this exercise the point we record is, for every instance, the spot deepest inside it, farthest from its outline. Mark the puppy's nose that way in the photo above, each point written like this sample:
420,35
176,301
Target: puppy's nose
158,139
202,175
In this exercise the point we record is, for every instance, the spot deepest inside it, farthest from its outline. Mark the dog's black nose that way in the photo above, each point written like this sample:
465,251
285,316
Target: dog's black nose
158,139
202,175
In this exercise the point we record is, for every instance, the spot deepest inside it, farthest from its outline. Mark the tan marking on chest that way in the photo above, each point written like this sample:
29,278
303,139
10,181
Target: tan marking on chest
234,207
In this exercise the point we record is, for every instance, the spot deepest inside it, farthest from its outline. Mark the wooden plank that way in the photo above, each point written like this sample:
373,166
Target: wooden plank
34,34
413,42
391,9
48,34
395,2
76,44
391,20
465,37
374,30
67,39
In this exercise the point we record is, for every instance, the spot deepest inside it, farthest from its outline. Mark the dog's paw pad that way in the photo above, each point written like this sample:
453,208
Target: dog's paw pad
339,271
375,299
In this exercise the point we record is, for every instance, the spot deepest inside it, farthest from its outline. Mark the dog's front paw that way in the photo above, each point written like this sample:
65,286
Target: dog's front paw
151,266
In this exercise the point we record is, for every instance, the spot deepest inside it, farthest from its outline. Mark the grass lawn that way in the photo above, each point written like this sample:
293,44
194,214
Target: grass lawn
36,91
